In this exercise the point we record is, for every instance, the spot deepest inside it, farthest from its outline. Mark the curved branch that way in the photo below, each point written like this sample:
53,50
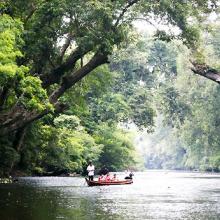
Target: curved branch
124,10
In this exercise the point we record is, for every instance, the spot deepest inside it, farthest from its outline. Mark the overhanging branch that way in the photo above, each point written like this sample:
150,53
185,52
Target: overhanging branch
206,71
55,75
68,81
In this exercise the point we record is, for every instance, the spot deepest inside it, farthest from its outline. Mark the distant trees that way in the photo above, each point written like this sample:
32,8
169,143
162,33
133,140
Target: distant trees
186,132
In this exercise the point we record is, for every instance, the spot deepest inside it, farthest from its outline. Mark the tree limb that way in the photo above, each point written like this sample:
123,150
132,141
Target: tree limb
19,138
32,10
65,46
68,81
24,117
3,96
55,75
19,117
206,71
67,43
124,10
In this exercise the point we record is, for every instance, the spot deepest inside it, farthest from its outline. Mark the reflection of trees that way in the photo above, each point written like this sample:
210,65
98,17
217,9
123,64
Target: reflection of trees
28,203
19,202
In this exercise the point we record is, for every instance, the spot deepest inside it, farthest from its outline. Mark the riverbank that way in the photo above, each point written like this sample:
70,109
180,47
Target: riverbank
15,175
6,180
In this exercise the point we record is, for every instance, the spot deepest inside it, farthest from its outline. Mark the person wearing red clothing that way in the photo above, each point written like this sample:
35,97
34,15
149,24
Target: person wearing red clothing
101,178
107,178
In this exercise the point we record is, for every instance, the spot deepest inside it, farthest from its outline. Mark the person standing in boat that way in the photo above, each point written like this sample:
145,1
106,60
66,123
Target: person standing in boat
91,170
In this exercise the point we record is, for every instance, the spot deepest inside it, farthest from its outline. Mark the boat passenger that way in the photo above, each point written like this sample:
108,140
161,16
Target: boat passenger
114,178
108,178
101,178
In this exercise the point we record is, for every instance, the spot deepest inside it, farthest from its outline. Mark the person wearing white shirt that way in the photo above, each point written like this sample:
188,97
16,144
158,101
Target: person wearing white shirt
90,170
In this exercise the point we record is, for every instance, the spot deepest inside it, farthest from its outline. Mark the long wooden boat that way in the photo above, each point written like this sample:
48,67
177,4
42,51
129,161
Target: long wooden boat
109,183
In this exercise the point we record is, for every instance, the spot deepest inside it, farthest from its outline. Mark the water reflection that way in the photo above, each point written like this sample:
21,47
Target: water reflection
154,195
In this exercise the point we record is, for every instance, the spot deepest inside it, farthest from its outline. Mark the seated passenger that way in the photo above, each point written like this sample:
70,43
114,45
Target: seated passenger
114,178
101,178
107,178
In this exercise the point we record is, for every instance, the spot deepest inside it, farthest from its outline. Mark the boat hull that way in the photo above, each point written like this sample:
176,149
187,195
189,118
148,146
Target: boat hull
97,183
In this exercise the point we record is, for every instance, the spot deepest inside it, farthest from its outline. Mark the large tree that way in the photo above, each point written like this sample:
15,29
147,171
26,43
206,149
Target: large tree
51,45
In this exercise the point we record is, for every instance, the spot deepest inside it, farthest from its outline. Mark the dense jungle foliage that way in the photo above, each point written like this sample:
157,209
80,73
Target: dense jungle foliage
76,76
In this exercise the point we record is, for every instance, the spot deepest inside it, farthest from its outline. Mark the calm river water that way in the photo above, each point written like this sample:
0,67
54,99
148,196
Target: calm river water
154,195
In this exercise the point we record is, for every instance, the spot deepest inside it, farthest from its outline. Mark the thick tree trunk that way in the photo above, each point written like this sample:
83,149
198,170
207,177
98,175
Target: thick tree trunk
19,139
56,74
19,117
17,144
3,96
67,82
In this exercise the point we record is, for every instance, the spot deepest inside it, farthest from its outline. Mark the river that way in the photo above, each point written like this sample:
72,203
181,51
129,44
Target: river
153,195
